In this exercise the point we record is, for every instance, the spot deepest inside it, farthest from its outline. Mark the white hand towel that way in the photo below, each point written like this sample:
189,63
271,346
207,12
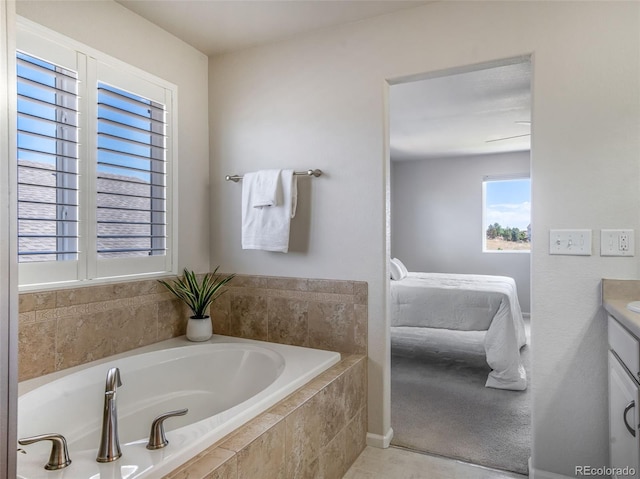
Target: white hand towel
268,228
265,187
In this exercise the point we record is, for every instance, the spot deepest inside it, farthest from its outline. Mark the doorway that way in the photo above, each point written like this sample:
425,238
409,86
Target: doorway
450,133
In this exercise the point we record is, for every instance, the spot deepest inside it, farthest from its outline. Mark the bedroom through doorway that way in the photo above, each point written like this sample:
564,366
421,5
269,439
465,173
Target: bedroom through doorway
460,233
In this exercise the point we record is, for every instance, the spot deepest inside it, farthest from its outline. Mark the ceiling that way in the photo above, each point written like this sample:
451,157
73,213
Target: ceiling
477,112
454,115
220,26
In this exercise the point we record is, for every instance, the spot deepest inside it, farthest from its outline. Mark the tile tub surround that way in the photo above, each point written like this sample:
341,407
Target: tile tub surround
314,313
316,432
67,327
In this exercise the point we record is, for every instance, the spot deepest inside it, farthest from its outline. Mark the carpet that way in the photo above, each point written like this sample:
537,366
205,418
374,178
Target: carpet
439,403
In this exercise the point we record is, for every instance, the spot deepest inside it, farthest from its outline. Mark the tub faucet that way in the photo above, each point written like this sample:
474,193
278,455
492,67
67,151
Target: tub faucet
109,442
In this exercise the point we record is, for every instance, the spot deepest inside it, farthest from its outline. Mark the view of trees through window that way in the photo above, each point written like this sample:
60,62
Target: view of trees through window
507,214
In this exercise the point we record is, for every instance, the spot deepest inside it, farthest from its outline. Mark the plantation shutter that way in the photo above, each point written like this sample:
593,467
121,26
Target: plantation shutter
131,175
47,161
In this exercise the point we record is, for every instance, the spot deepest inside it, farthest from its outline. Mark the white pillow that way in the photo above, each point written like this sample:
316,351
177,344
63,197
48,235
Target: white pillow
398,270
396,273
403,269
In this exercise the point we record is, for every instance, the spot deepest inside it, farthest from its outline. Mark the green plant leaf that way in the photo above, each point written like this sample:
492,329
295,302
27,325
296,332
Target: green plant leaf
198,296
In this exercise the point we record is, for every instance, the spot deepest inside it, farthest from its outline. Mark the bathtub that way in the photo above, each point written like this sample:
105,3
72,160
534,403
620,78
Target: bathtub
224,382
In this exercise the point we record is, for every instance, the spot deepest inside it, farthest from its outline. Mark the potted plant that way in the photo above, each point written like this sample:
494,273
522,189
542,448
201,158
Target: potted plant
198,296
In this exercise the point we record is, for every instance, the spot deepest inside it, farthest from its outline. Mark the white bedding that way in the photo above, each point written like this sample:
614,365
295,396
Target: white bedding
468,303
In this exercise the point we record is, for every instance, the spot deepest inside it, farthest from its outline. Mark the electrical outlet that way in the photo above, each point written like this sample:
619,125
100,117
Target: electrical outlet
623,242
617,242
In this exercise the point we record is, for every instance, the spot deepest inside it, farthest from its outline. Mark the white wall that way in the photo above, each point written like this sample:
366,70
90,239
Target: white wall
112,29
8,246
436,217
318,101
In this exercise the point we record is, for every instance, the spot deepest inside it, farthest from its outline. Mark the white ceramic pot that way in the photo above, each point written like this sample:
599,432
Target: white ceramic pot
199,329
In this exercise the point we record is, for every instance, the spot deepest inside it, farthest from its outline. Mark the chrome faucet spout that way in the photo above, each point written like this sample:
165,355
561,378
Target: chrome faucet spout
109,441
113,381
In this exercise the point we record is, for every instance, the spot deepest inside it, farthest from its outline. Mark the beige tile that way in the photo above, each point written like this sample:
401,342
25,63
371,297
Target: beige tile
355,382
228,470
91,294
134,327
28,317
138,288
36,301
36,349
246,281
26,302
375,463
292,284
206,465
360,328
288,321
248,433
172,319
248,317
264,457
219,312
63,312
356,436
331,297
360,292
327,377
332,410
303,437
333,458
330,286
310,471
331,326
293,401
81,339
347,360
45,300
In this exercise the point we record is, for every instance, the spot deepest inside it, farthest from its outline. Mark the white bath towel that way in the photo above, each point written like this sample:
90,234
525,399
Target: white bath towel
268,228
264,186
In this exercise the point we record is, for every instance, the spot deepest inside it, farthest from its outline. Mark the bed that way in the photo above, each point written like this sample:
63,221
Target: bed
468,303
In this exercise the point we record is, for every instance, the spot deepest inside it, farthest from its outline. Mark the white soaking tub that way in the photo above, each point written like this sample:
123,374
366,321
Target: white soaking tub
224,382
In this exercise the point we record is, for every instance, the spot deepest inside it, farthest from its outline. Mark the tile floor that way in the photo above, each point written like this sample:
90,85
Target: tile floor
396,463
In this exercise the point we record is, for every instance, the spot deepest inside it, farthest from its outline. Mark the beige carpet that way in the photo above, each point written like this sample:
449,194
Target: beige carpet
439,403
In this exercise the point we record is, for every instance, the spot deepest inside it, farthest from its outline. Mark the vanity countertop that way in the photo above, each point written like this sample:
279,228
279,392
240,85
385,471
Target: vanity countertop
618,309
616,294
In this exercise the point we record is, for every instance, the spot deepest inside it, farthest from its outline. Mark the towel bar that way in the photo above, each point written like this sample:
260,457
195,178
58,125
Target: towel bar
316,173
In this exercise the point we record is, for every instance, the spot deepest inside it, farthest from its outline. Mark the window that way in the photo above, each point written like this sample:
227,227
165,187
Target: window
506,214
130,175
94,164
47,161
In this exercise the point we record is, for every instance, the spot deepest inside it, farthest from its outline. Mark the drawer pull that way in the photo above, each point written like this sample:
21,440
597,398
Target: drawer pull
630,406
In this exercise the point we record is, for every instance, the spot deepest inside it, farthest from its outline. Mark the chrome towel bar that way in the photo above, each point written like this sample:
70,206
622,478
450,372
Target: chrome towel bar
316,173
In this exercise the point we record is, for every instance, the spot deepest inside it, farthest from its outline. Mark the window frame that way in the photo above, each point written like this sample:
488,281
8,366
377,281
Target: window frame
485,225
94,66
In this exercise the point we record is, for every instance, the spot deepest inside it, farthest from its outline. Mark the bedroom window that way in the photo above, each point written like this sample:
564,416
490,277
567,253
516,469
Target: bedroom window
506,214
95,171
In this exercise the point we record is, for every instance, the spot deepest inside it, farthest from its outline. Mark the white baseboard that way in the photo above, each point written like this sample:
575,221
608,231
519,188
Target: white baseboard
539,474
382,442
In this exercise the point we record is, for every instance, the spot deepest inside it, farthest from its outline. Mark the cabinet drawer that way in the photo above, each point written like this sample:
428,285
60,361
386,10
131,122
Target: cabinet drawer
625,345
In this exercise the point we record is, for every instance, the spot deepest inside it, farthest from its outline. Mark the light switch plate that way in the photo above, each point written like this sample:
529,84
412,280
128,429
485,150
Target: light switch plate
570,242
617,242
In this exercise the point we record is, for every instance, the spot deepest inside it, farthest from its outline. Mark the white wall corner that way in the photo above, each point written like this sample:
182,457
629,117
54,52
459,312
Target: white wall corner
540,474
382,442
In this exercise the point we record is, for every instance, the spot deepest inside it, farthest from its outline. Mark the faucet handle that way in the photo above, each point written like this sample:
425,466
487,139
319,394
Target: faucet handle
157,439
59,458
